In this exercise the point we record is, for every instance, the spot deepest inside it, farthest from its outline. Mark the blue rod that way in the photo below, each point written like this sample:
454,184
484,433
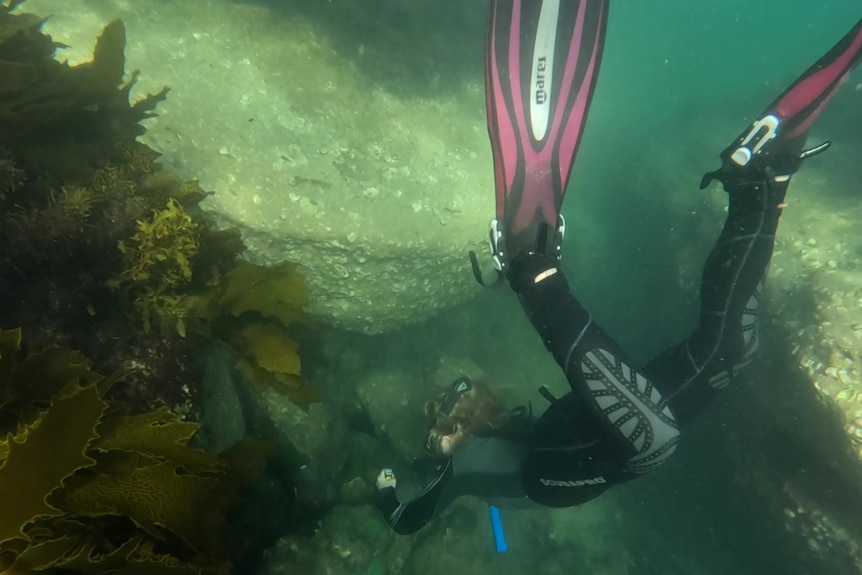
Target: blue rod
497,526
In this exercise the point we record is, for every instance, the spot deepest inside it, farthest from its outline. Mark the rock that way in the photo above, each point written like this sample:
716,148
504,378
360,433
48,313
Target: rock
380,223
379,202
350,540
318,436
451,368
810,394
451,544
221,410
356,490
594,531
376,188
389,398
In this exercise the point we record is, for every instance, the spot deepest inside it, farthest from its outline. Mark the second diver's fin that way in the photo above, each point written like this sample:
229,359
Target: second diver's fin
777,138
542,59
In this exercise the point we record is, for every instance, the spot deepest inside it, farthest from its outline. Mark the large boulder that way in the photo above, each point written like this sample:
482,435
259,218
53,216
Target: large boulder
378,186
378,196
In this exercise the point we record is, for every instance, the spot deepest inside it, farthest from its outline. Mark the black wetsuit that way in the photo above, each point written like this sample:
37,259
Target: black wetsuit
619,421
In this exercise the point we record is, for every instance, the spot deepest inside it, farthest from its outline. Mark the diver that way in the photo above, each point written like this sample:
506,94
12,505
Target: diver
620,420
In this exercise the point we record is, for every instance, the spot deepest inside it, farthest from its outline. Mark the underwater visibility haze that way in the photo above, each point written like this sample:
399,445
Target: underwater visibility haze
235,285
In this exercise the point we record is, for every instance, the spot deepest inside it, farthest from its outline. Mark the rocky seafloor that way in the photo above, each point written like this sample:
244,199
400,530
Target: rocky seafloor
331,167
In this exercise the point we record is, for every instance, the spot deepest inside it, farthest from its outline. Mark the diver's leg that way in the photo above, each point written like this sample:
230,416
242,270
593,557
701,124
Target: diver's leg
640,431
542,65
756,171
691,373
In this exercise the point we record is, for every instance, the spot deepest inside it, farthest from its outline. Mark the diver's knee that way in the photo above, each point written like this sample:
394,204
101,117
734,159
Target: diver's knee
661,445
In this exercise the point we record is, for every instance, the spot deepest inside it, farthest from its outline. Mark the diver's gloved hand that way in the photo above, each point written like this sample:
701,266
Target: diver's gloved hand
532,272
386,478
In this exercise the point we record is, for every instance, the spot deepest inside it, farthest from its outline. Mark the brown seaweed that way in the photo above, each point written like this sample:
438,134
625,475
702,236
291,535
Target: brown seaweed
87,488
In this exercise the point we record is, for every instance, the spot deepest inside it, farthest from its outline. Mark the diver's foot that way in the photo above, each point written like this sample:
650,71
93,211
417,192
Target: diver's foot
553,248
761,154
535,272
496,243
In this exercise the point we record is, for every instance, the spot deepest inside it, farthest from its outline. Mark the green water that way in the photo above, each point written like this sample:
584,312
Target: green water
679,80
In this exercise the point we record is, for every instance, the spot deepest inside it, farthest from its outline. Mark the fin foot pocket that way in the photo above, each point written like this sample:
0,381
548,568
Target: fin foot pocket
547,244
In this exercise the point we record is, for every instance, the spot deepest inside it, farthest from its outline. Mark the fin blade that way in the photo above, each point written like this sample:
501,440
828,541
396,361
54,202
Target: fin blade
800,104
542,63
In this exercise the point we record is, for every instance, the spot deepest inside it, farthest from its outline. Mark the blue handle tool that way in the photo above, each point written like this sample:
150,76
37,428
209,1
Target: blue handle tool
497,526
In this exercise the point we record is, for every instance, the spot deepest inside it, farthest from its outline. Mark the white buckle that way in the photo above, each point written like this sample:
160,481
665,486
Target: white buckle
743,154
495,235
561,234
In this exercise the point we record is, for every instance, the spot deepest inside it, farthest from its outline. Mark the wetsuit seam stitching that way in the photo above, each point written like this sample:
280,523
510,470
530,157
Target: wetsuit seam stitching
753,240
576,342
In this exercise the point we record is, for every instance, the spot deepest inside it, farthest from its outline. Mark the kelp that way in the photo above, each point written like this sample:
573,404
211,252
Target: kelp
87,488
253,309
74,181
278,292
89,484
73,178
99,246
56,446
91,229
162,248
65,120
158,261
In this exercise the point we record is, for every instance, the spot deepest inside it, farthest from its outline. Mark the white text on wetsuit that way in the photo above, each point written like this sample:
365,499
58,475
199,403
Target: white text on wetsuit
577,483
